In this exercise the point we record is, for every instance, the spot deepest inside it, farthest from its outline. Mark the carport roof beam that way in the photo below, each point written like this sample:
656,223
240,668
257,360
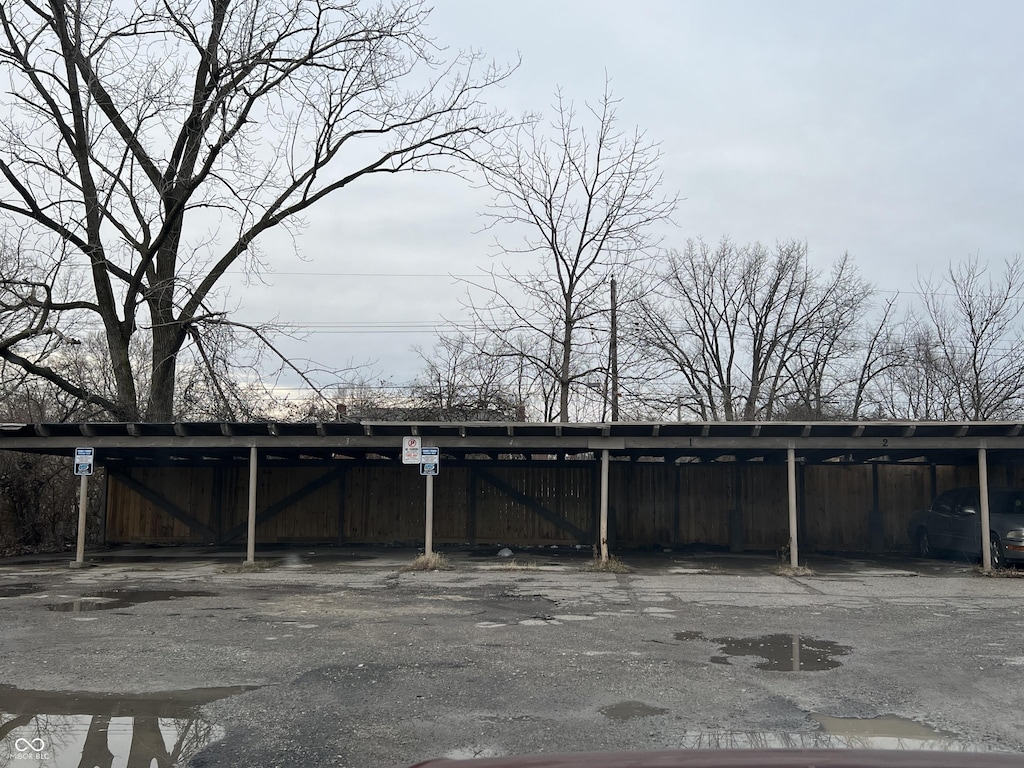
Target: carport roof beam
768,441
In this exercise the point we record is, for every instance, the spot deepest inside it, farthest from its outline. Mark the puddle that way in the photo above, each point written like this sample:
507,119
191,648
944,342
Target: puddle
471,753
887,732
17,590
71,729
122,598
778,653
689,635
819,740
629,710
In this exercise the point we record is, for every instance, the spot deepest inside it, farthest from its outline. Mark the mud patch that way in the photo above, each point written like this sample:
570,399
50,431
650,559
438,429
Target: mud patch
630,710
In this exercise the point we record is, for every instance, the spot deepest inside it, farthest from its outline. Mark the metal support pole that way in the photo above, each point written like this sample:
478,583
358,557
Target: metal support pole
604,505
83,506
428,547
794,554
986,552
250,553
614,355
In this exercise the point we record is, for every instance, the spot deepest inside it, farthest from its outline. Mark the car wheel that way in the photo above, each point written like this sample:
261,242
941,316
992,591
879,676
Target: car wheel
996,552
924,545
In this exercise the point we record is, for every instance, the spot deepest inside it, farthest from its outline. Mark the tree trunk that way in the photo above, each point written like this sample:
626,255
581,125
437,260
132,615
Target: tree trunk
565,367
167,329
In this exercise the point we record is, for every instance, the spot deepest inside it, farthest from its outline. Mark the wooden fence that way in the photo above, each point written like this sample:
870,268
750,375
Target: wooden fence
741,506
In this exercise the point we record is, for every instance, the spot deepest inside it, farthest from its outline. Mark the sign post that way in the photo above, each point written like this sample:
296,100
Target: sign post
84,459
430,460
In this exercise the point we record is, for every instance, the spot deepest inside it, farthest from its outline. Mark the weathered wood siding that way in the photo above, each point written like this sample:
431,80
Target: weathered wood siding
387,505
650,503
765,506
133,518
836,507
563,489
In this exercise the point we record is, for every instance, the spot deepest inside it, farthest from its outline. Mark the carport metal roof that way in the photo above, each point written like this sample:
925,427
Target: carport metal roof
814,442
776,442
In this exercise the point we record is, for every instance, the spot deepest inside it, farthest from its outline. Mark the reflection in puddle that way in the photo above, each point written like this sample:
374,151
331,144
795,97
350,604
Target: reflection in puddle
17,590
122,598
886,732
471,753
779,653
816,740
68,729
627,710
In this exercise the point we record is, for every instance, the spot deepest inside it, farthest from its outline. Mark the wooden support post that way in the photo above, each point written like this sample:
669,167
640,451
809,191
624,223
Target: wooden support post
341,508
83,507
474,486
794,553
986,552
428,546
736,510
250,551
604,506
217,521
677,537
104,500
876,526
801,503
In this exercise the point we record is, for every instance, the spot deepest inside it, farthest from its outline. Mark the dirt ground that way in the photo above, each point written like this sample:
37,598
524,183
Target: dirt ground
341,658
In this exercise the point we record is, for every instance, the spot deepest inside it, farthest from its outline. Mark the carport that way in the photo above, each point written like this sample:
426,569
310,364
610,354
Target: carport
580,462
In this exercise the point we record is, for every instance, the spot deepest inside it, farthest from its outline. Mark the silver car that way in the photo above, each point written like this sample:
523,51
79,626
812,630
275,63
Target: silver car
953,524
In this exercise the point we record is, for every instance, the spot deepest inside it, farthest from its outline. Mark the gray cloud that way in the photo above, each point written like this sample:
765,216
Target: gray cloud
889,130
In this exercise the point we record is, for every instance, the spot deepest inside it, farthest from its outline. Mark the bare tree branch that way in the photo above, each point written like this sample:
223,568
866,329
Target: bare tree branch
128,124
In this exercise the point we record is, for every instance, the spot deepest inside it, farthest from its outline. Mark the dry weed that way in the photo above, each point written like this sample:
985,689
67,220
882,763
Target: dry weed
1000,573
789,570
434,561
611,565
515,565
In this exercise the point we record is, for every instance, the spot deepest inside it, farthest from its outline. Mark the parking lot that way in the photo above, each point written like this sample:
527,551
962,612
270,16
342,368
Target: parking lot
339,657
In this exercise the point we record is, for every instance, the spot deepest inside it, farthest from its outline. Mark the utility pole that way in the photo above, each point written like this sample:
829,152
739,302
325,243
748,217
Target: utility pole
613,354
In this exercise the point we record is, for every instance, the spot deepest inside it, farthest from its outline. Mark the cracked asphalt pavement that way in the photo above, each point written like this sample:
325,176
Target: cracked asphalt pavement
348,661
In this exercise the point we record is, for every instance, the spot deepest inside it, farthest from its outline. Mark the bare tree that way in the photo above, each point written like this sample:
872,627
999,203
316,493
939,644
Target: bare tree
584,203
751,333
459,383
972,342
917,389
145,149
883,353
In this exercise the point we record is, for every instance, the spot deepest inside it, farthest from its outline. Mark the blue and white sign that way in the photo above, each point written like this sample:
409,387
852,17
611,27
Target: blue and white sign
84,458
430,461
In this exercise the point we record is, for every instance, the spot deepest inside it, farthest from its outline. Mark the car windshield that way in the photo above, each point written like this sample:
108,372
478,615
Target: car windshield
1010,502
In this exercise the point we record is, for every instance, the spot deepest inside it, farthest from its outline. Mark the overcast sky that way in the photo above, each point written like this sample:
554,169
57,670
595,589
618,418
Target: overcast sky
889,130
